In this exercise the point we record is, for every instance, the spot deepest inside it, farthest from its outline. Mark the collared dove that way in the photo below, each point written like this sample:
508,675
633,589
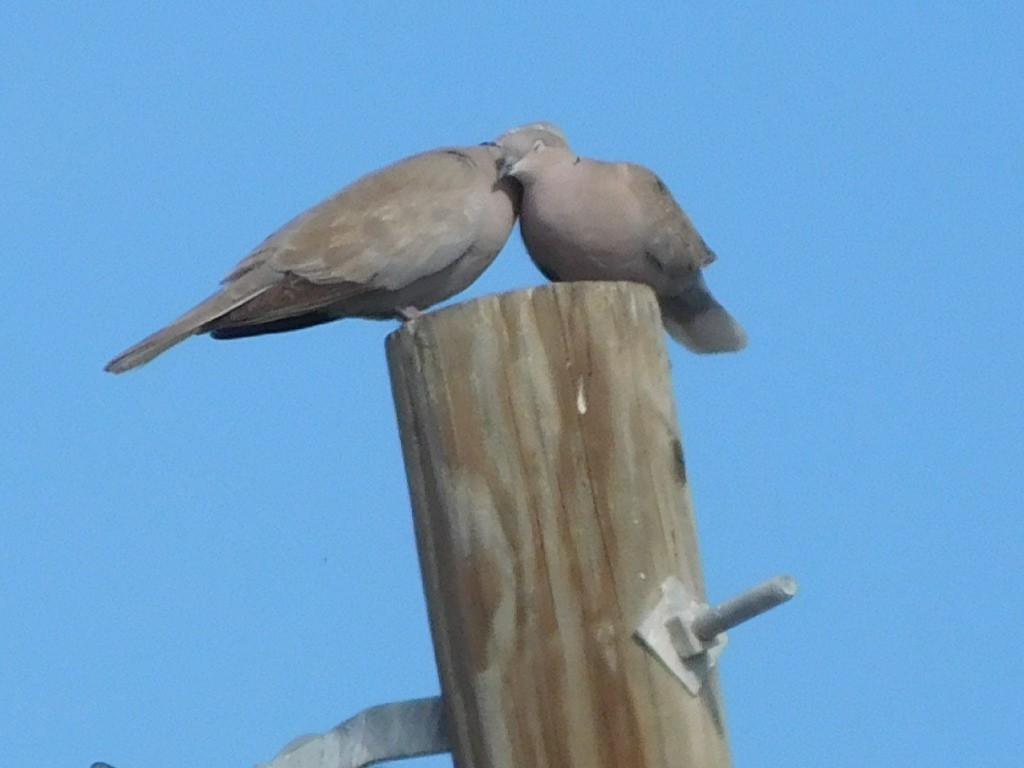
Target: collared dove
591,220
390,244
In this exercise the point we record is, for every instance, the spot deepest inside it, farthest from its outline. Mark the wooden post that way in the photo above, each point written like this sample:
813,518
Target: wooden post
550,500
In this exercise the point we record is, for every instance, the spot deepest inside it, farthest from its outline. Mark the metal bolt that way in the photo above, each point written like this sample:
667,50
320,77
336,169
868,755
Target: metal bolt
717,619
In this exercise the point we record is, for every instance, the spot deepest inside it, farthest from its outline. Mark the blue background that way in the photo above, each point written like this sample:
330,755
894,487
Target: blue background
207,557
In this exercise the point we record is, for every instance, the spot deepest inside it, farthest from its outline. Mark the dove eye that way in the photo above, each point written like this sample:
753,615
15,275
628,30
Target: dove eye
539,145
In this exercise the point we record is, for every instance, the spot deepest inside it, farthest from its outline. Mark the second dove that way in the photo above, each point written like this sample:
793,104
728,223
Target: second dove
585,219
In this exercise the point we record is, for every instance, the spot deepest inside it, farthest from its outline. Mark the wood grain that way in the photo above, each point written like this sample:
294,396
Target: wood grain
550,498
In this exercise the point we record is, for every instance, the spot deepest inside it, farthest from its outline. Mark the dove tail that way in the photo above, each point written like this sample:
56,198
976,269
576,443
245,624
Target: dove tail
149,347
697,321
196,320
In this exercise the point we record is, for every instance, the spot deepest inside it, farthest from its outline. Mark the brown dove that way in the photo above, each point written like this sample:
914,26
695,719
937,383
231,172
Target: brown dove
390,244
586,219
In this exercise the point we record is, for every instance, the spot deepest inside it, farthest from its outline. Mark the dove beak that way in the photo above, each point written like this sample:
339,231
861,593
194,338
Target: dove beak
508,168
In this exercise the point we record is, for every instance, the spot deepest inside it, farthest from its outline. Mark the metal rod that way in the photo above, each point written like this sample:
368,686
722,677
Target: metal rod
754,601
385,732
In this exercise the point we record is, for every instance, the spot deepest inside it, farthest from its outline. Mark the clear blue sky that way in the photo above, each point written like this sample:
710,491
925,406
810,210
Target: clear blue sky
204,558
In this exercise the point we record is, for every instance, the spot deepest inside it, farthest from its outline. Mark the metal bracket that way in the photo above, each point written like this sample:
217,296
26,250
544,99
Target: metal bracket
688,636
386,732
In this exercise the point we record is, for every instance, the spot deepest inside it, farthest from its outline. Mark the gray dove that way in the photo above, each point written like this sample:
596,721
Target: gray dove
586,219
389,245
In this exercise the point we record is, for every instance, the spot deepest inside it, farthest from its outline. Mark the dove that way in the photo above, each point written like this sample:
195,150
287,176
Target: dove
584,219
389,245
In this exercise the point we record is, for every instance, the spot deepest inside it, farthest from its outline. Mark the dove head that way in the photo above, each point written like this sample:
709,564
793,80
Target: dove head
540,158
518,141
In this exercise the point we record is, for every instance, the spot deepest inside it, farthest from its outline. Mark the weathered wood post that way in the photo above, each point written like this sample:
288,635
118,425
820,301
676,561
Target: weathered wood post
550,500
